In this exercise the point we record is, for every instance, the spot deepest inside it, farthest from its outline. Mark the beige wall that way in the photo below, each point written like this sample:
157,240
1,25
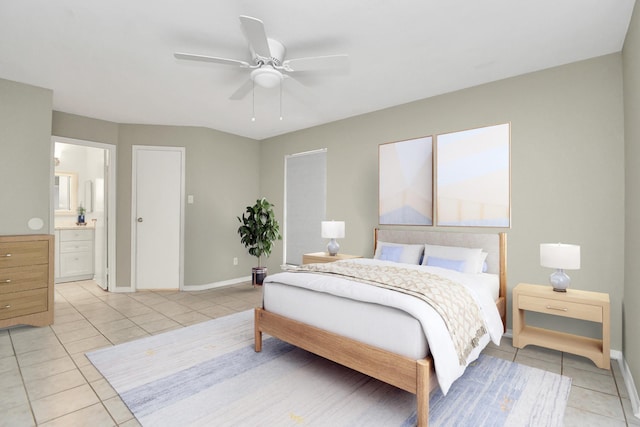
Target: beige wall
222,173
25,157
631,313
567,169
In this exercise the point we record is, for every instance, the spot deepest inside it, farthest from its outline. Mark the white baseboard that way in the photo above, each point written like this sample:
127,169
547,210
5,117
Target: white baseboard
214,285
631,387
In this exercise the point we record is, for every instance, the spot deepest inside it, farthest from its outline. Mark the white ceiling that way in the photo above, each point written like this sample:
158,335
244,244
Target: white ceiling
113,59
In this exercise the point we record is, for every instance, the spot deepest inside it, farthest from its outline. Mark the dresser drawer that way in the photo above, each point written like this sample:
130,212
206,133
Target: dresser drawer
16,279
23,303
73,235
76,246
15,254
592,313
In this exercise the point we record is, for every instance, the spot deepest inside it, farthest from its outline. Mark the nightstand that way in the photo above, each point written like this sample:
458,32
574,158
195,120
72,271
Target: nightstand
316,257
575,304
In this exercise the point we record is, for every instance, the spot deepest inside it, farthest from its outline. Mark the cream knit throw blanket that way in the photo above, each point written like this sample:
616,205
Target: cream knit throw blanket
451,300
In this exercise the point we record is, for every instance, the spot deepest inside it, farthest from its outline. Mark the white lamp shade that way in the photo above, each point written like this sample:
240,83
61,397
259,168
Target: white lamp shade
559,255
333,229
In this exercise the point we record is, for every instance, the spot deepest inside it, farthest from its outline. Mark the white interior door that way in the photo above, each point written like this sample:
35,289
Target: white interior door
158,211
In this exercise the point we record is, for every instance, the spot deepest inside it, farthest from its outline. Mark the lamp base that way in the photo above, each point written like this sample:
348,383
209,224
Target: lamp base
333,247
559,280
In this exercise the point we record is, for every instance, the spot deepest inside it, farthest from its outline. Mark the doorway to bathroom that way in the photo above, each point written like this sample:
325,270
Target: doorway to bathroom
83,211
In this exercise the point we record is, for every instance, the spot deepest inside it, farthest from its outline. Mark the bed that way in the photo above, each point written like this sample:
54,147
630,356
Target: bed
294,310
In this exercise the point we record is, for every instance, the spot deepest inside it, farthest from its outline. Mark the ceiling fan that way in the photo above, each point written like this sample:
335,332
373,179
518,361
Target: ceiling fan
268,65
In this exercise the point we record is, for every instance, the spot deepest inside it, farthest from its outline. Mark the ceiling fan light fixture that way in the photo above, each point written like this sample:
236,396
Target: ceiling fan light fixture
266,77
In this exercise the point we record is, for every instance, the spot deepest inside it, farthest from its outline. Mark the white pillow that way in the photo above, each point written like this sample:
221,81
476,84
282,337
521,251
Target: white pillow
472,257
409,254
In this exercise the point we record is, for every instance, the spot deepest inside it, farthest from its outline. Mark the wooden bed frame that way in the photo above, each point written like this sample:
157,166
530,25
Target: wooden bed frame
414,376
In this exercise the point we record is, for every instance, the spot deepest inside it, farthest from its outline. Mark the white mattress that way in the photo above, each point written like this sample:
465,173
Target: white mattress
381,317
374,324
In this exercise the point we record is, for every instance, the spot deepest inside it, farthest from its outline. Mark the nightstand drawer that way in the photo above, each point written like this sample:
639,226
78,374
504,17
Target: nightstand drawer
592,313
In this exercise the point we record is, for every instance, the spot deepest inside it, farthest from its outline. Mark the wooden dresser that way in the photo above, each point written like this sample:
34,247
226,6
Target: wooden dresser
26,280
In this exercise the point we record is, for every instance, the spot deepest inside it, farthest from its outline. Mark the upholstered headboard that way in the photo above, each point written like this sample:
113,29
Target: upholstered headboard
495,244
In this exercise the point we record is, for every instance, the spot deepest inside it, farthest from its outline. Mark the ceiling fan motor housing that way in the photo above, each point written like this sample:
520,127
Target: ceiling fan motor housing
277,51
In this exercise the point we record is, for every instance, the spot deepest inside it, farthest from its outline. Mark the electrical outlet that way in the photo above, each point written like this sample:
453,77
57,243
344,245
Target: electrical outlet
235,261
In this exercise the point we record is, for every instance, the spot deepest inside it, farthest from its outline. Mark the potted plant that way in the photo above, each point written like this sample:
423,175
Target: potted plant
258,230
81,212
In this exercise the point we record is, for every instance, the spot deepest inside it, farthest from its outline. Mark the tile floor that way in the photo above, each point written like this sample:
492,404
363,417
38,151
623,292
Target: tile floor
46,380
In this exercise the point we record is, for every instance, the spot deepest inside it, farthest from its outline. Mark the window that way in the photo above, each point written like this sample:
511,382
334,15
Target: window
305,203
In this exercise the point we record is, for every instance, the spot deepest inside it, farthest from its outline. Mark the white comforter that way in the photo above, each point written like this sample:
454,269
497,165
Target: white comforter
440,344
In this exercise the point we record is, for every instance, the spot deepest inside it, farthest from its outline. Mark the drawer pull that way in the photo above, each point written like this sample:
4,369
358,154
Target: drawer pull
550,307
6,281
6,255
6,307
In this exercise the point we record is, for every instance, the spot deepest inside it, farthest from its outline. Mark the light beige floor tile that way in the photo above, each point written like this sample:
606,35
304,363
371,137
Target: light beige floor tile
190,318
63,403
6,348
170,308
596,402
495,352
574,417
159,325
103,389
8,363
77,334
54,384
12,397
90,372
30,341
216,311
68,318
55,351
574,361
118,409
87,344
114,325
11,377
538,363
591,380
124,335
95,416
17,416
80,360
46,369
63,328
541,353
148,317
131,423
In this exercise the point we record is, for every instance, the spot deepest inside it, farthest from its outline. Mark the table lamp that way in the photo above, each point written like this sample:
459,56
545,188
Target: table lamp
561,257
333,230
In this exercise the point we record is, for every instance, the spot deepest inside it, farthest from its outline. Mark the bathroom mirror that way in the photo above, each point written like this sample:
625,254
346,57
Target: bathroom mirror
65,194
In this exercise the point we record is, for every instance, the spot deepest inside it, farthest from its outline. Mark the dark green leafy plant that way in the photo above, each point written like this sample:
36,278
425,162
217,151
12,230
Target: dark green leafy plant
259,229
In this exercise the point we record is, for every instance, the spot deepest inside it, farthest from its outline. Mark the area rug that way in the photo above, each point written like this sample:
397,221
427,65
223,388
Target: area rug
209,375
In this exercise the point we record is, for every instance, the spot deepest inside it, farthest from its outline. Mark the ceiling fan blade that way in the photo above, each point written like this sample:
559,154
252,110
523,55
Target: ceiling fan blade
242,91
254,32
316,63
204,58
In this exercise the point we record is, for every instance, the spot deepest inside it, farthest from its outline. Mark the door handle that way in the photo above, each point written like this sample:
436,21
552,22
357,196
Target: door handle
140,219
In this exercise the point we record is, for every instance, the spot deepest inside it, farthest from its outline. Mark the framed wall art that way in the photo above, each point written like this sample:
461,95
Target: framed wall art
473,177
406,182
